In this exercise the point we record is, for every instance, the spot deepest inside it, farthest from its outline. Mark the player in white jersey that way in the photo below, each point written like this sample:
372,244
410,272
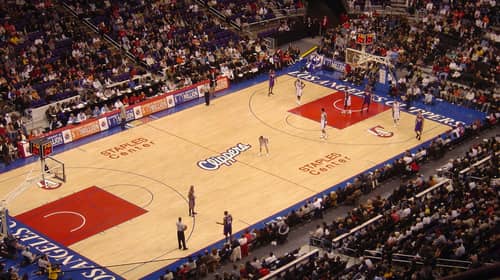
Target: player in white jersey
299,86
263,142
323,123
347,103
396,112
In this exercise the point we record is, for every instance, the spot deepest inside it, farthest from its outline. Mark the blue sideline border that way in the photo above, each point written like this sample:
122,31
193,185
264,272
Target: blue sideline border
73,264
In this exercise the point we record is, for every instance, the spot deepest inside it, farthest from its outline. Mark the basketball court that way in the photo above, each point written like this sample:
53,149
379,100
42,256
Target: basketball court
124,193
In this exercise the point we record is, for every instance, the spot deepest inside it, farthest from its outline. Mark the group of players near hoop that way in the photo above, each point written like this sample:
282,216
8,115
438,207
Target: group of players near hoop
347,110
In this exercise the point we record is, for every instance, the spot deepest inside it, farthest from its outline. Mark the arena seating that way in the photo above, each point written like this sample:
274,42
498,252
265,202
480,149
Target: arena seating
426,227
53,57
463,73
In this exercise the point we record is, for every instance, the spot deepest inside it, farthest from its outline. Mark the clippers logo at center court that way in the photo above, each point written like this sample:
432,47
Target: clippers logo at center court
226,158
380,131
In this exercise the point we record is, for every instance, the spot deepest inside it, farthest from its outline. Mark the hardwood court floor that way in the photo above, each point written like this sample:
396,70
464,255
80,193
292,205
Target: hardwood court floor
157,177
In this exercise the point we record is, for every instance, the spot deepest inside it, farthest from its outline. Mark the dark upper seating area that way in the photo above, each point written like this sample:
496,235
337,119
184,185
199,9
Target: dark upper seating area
161,35
244,11
49,56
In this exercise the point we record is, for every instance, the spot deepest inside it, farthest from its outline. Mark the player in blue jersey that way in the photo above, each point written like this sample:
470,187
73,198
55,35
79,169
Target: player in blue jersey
272,81
419,125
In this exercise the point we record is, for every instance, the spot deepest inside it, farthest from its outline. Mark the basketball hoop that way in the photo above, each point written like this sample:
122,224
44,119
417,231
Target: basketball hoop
52,170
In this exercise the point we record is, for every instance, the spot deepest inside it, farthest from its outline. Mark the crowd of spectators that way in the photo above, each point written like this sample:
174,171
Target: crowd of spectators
245,12
364,5
47,55
456,221
455,41
179,39
19,262
50,58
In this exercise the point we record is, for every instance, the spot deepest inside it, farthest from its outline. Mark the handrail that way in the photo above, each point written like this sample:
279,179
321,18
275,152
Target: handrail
420,262
272,19
452,260
477,163
372,220
440,261
106,36
424,192
289,265
138,77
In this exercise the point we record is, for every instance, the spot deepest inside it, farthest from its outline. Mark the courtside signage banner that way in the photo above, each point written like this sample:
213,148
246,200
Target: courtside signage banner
154,106
200,91
130,114
103,123
334,64
222,83
56,139
137,112
74,265
170,101
187,95
67,136
445,119
71,133
114,120
85,130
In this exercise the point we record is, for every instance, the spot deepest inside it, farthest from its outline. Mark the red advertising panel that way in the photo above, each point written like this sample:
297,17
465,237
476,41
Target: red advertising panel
85,130
154,106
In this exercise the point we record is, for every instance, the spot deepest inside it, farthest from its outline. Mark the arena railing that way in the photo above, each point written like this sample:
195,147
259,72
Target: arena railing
478,163
405,258
327,244
322,243
38,117
262,22
110,40
441,183
292,265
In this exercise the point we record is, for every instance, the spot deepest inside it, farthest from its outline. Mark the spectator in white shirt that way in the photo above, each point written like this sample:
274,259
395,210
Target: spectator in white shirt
118,104
81,116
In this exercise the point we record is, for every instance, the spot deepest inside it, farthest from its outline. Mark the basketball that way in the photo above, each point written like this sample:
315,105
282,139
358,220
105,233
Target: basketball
185,227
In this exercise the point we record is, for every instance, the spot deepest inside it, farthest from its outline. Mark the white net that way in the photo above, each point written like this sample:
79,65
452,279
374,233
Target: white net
352,57
54,169
357,58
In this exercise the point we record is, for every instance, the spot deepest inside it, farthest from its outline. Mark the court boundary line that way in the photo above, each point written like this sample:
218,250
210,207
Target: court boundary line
133,185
